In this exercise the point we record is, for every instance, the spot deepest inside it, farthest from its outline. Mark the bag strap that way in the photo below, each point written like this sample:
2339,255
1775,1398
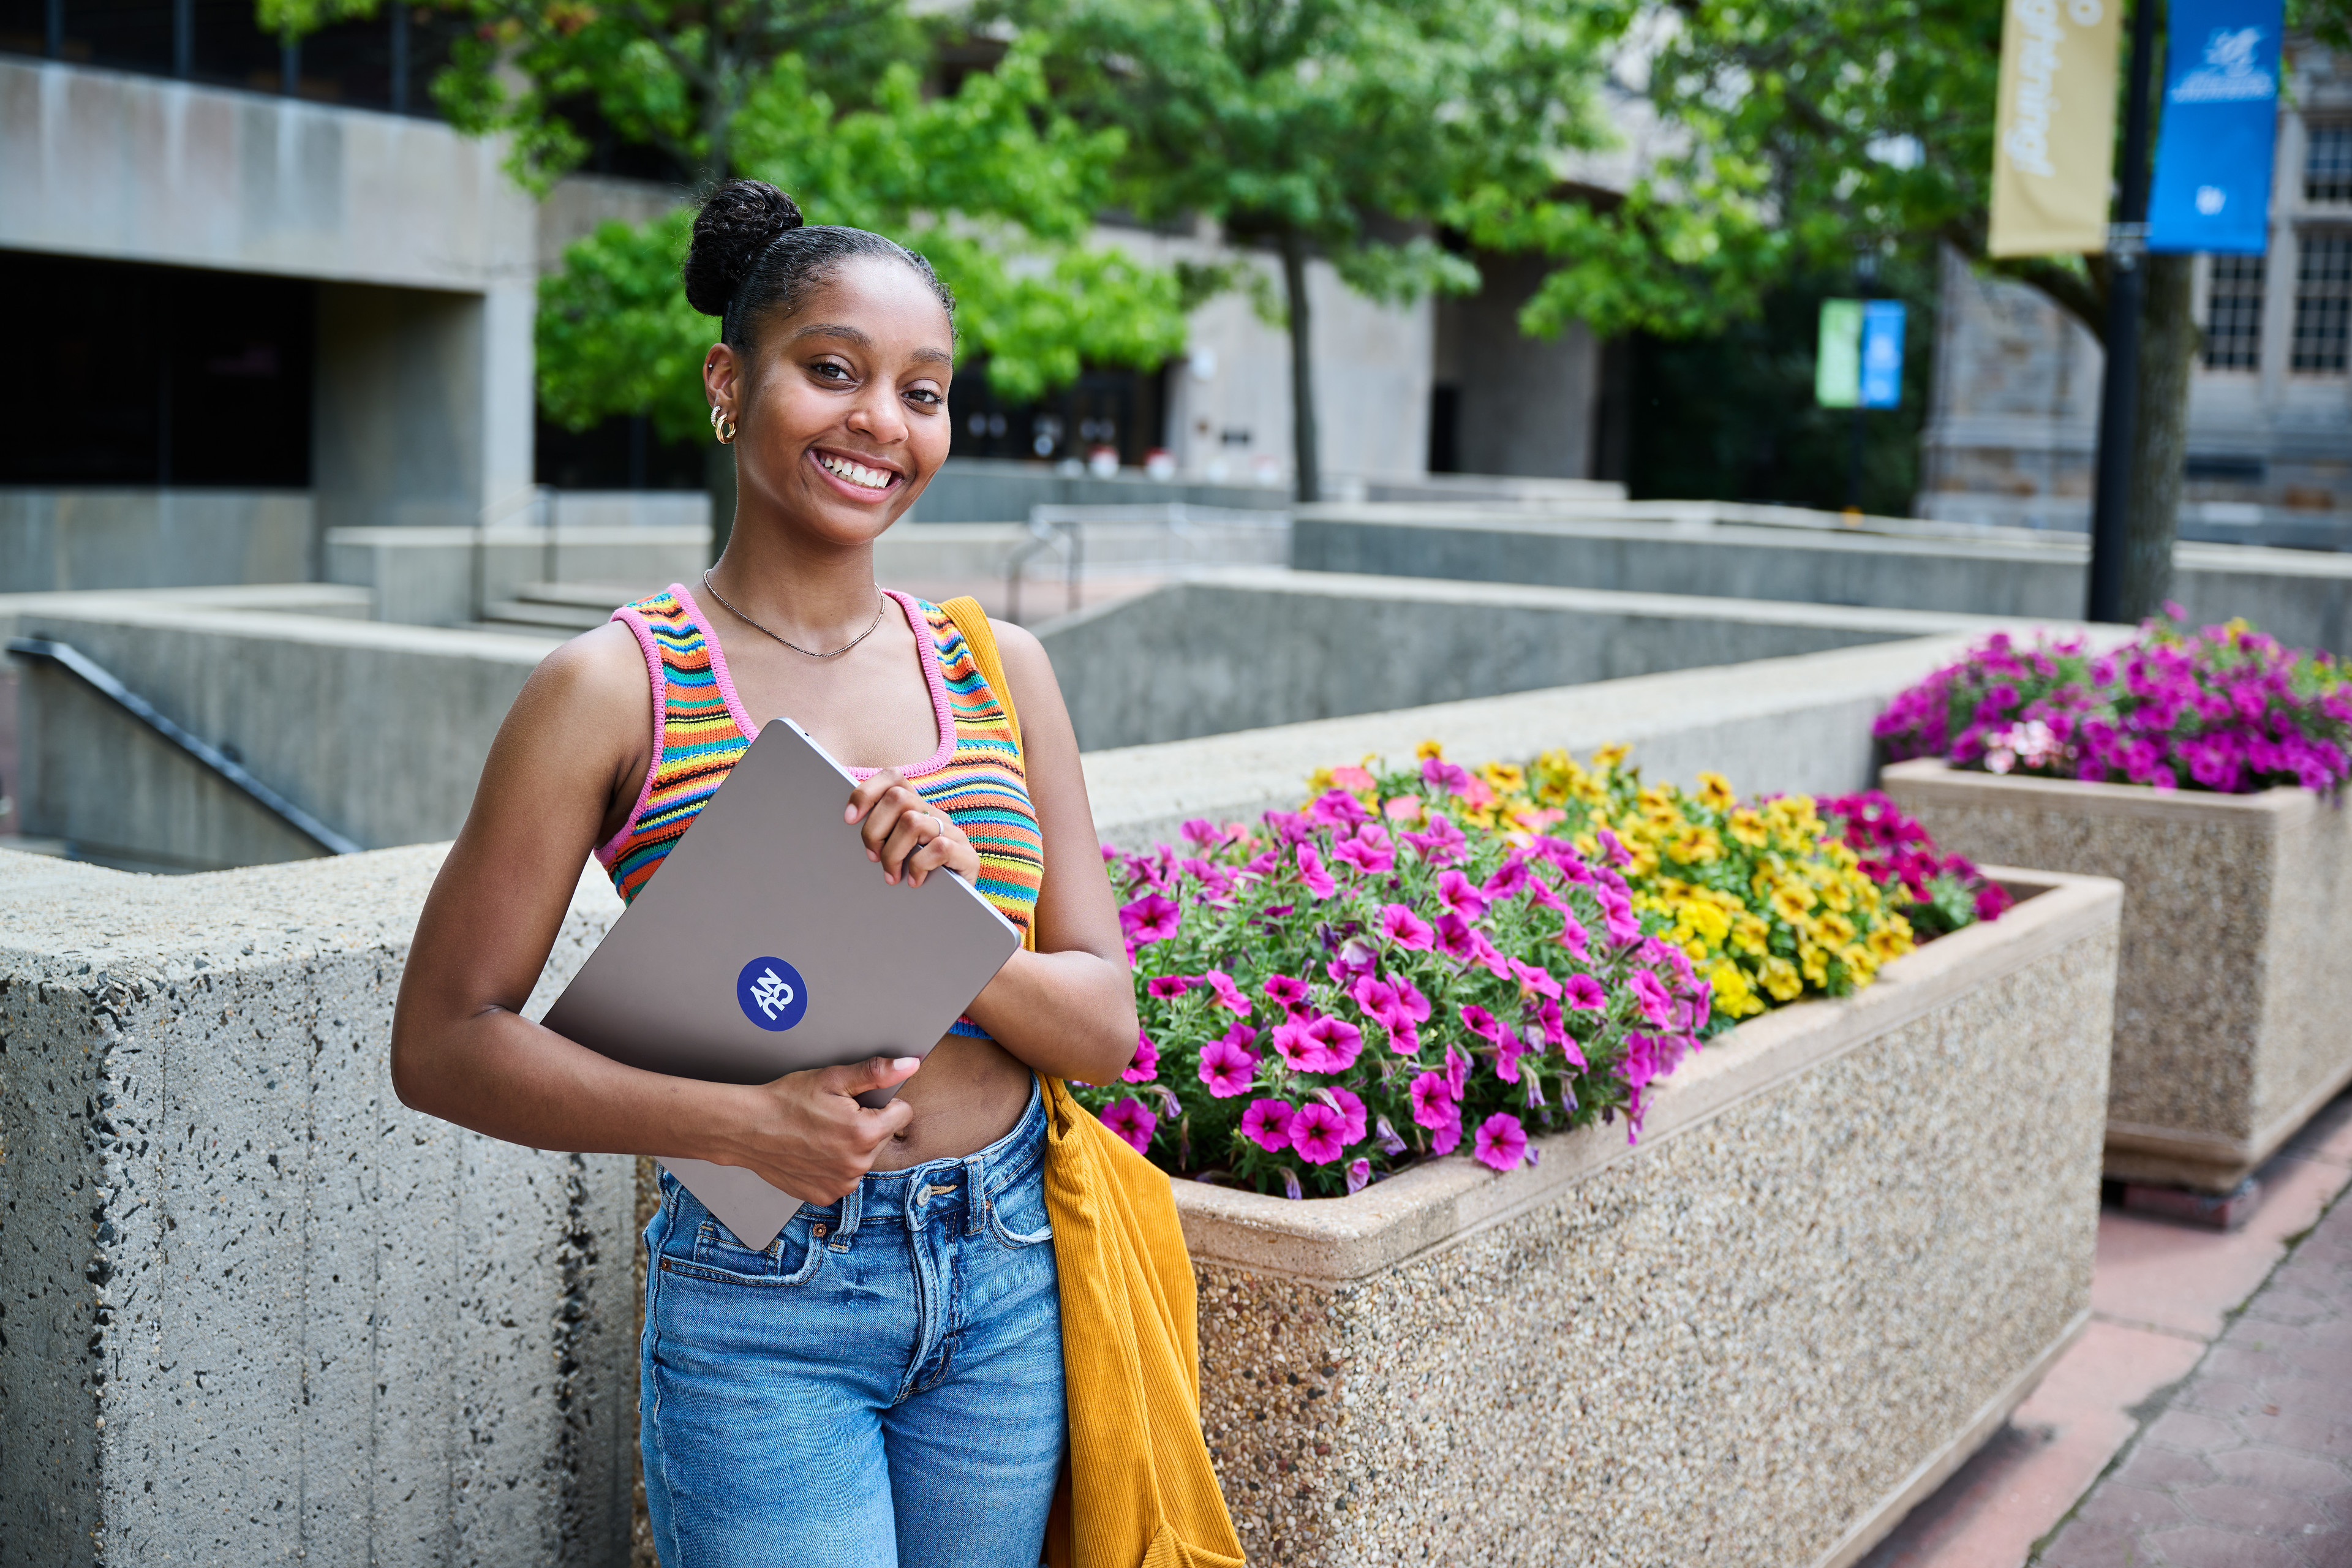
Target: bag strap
980,637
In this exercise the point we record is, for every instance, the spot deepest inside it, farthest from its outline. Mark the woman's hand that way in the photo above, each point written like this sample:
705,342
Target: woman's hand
807,1135
906,836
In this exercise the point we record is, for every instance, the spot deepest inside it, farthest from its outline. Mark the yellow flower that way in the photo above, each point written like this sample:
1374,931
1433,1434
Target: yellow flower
1748,934
1695,846
1748,827
1429,749
1320,781
1838,894
1715,792
1780,978
1734,997
1815,962
1707,920
1607,758
1506,779
1791,901
1836,930
1887,944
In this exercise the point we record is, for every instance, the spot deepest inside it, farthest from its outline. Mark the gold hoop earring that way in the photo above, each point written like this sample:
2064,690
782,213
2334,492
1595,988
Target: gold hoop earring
721,427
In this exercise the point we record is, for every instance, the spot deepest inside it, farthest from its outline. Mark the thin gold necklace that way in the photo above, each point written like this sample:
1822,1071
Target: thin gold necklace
879,603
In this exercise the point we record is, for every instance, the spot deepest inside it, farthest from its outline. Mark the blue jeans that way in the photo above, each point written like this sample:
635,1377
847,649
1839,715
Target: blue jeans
879,1388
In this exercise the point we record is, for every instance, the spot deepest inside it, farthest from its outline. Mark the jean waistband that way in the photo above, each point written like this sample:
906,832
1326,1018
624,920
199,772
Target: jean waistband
938,1190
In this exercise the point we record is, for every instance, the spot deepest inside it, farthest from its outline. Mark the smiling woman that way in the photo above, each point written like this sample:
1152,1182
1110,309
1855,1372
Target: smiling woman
902,1338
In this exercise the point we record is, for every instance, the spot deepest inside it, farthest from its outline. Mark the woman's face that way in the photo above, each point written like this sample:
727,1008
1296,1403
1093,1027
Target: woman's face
842,416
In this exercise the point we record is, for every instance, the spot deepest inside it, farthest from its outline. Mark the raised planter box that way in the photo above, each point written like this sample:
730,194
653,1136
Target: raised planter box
2233,997
1852,1239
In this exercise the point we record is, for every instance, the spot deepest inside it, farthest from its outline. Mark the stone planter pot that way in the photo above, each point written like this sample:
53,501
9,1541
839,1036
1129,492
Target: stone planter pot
1852,1239
2235,984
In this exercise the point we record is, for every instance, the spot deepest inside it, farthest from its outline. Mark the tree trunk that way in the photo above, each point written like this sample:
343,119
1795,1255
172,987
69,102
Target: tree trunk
719,481
2168,348
1302,369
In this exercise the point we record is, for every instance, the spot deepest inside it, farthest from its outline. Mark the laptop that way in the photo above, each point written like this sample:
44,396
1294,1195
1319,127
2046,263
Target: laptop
770,943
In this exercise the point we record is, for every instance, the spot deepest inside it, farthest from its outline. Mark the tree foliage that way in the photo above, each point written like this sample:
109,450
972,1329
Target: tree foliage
1337,128
997,187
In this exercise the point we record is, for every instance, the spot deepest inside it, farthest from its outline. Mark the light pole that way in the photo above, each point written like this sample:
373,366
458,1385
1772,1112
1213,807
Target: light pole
2111,518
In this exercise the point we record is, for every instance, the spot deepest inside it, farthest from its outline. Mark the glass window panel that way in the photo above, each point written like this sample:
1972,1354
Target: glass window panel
2323,302
2233,313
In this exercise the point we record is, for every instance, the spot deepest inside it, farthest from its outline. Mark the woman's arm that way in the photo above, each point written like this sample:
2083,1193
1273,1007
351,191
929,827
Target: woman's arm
571,750
1068,1008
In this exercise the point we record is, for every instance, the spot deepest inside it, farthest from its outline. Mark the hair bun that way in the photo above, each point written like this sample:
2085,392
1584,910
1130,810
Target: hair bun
738,221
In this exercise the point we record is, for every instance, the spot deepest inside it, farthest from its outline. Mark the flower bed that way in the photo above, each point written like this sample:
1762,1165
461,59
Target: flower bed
1414,962
2192,767
1854,1234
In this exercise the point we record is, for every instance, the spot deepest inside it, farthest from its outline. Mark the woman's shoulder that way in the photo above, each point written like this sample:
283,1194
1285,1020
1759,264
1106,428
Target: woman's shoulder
600,672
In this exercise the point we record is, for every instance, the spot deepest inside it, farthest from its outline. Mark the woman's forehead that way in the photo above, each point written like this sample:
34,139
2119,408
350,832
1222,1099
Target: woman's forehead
875,304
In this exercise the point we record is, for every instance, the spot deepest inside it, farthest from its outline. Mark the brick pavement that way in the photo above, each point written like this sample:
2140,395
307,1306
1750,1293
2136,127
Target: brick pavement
2249,1465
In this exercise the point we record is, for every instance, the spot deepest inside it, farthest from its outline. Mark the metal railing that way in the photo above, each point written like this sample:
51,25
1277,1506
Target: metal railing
1185,535
99,678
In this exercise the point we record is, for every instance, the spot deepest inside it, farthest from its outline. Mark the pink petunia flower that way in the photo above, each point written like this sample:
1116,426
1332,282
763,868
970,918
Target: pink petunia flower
1133,1121
1507,879
1402,808
1656,1007
1433,1103
1145,1066
1454,937
1442,845
1502,1142
1461,895
1404,928
1544,896
1315,1133
1457,1071
1584,994
1336,808
1229,995
1352,1117
1204,833
1161,988
1267,1124
1482,1023
1449,776
1151,919
1226,1065
1359,1176
1575,938
1533,982
1319,1044
1311,872
1369,849
1286,992
1354,778
1448,1138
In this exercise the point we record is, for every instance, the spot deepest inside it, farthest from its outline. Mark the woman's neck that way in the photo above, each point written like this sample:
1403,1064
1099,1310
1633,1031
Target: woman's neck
809,591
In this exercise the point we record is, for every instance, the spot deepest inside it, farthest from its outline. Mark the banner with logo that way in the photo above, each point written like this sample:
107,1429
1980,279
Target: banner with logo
2212,189
2055,138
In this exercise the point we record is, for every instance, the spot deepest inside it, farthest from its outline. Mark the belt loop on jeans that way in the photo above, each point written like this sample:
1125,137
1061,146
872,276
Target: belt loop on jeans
975,1191
851,1206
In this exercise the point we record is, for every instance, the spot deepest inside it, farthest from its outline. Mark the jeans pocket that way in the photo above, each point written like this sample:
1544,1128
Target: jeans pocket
792,1258
1017,1217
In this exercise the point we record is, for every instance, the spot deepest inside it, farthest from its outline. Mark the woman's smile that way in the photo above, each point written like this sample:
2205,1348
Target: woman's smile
866,480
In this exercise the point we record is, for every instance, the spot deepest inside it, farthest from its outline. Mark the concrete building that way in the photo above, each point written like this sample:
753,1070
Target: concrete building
2014,420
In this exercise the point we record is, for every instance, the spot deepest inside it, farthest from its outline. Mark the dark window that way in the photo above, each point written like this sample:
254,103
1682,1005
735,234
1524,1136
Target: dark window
1445,415
125,374
2327,161
621,454
1125,410
2323,302
2233,313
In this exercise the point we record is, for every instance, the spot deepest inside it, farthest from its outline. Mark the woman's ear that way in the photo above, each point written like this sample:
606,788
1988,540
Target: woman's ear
720,380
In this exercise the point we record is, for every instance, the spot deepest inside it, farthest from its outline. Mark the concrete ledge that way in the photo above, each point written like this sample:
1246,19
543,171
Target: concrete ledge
2232,989
444,576
66,539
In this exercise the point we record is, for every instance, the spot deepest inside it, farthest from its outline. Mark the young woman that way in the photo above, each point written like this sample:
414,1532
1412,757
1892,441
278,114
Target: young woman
883,1384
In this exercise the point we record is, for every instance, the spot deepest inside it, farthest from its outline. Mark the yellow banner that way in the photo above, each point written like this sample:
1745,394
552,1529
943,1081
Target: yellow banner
2055,144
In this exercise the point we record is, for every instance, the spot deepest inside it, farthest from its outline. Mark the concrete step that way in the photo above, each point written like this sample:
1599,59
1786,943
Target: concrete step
537,614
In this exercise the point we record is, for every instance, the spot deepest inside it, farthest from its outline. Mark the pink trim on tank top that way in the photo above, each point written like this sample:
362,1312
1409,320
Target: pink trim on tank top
927,653
657,682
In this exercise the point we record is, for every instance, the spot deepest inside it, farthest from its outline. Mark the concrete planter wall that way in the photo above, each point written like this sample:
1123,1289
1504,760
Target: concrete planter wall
1853,1236
2235,982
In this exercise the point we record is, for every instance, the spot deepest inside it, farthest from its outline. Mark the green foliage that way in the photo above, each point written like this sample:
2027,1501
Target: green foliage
1807,131
997,188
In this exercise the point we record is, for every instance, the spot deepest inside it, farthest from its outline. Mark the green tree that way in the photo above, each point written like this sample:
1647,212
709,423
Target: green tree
1338,128
1811,133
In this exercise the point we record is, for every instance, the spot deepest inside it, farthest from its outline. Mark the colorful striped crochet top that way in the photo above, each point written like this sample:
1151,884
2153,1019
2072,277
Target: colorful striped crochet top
700,729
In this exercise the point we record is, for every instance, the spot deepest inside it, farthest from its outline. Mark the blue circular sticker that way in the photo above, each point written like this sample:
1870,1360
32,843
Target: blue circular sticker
771,994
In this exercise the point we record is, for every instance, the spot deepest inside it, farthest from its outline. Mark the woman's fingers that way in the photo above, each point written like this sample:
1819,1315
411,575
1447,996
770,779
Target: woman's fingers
905,833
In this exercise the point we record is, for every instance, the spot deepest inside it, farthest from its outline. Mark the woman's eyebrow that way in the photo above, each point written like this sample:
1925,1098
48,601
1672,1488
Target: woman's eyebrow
834,329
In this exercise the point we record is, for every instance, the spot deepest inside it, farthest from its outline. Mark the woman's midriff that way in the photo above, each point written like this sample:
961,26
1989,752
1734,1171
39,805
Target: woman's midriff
969,1094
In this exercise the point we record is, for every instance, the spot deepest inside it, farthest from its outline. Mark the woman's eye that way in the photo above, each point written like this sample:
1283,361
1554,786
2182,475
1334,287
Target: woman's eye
924,395
828,371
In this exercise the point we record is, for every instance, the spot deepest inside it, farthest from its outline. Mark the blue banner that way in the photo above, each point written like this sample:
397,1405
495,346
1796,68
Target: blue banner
2212,188
1882,353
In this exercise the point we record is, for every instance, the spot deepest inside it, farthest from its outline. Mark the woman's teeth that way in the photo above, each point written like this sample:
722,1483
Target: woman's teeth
857,473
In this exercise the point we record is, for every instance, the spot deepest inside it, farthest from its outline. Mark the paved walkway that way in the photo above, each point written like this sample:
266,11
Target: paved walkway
2219,1366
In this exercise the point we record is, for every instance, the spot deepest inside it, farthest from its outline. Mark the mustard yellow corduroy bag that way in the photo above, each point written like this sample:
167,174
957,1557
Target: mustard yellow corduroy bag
1140,1488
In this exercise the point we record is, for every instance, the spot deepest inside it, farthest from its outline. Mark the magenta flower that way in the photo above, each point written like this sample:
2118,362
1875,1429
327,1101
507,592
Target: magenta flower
1369,849
1319,1044
1448,1138
1617,913
1151,919
1162,987
1584,994
1336,808
1460,894
1315,1133
1454,937
1502,1142
1145,1066
1356,957
1226,1065
1410,998
1353,1118
1359,1176
1617,854
1544,896
1433,1103
1286,992
1446,775
1507,879
1311,872
1229,995
1204,833
1132,1121
1482,1023
1267,1124
1656,1007
1404,928
1575,938
1509,1050
1442,845
1402,808
1457,1071
1533,982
